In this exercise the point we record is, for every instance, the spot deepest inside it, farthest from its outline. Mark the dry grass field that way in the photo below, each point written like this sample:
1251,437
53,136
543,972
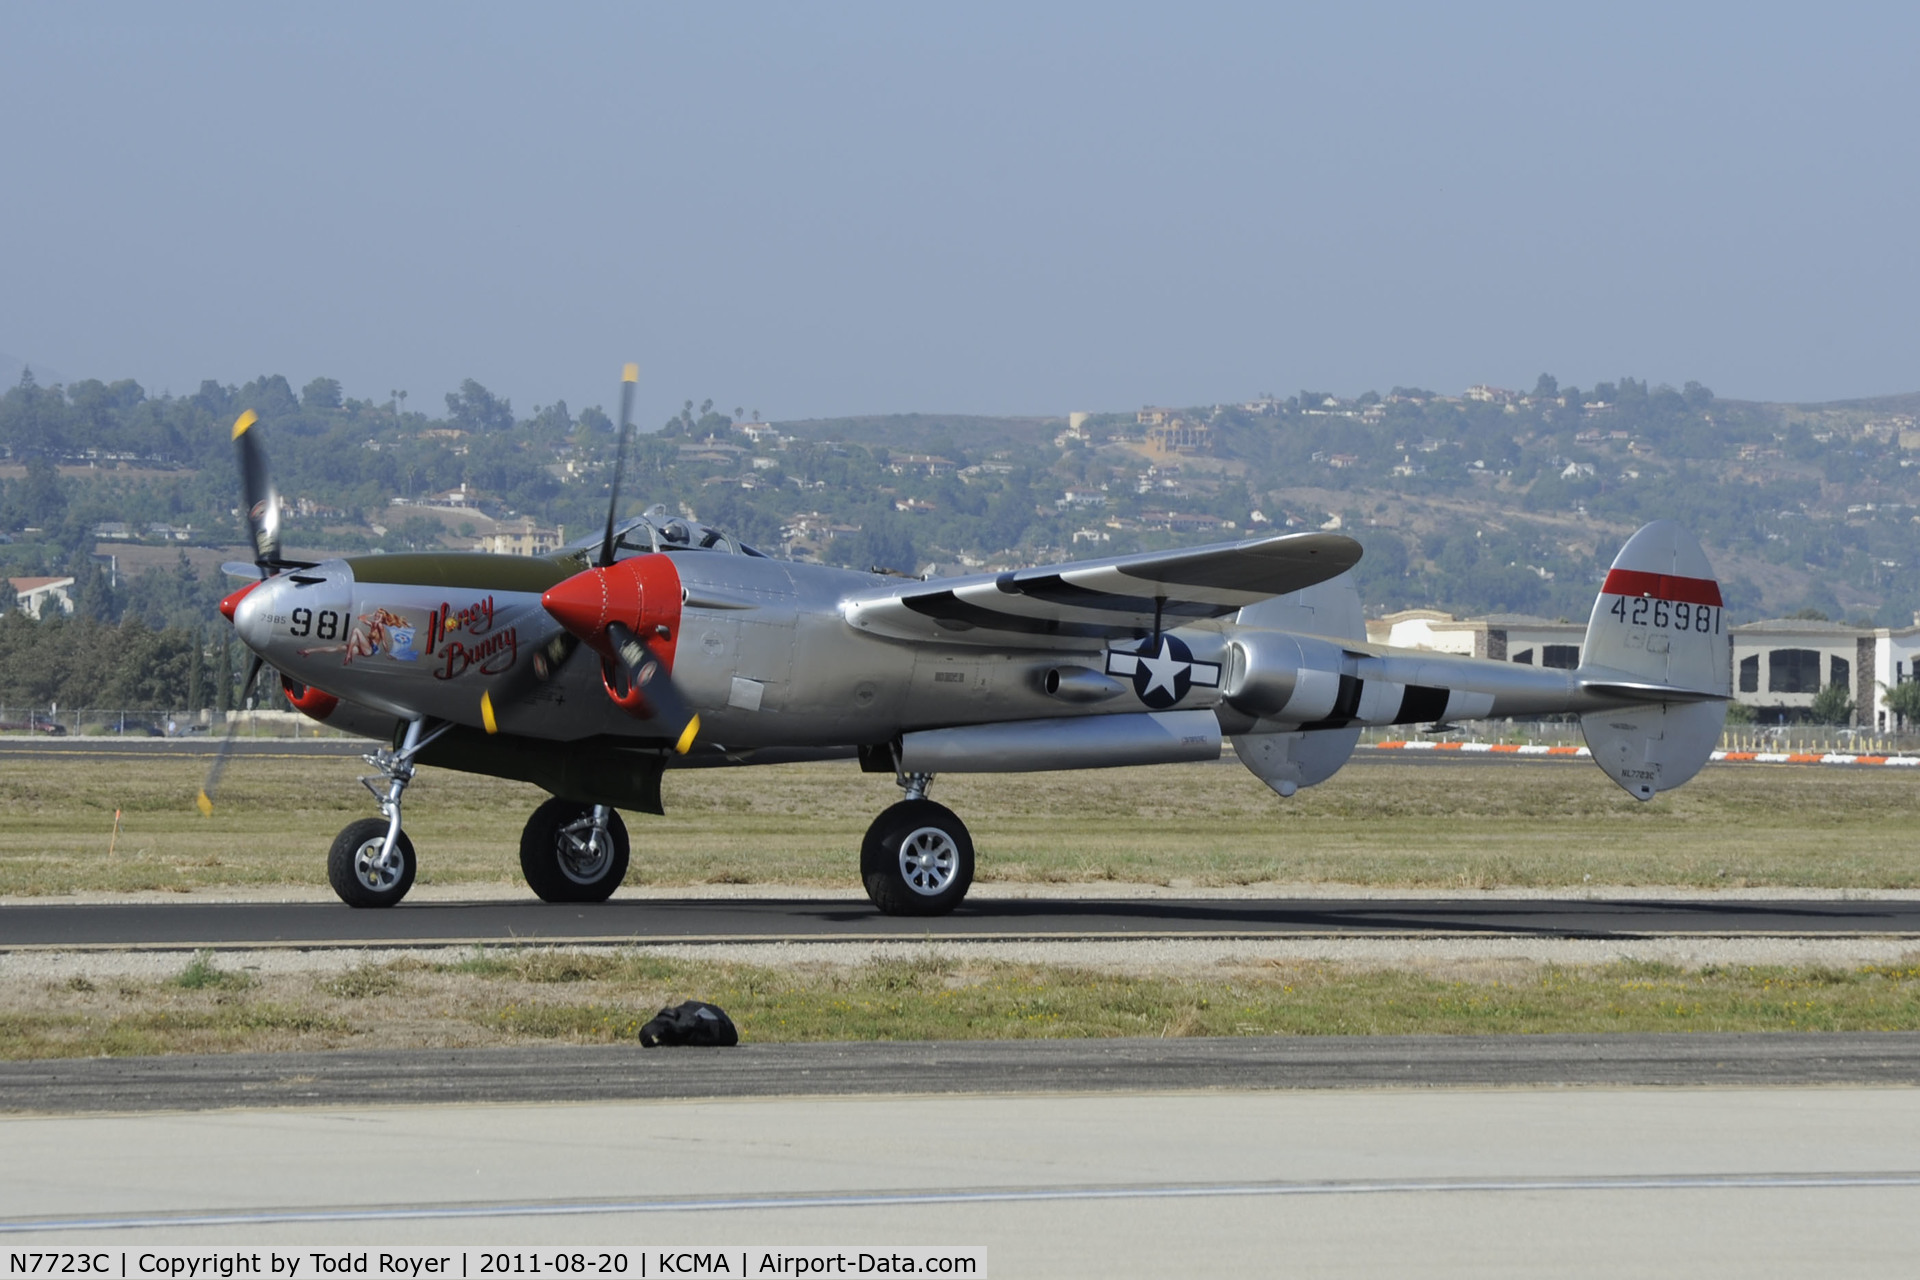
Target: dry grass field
519,996
1379,824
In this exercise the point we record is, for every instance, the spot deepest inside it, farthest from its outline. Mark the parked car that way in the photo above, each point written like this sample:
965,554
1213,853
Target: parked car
34,724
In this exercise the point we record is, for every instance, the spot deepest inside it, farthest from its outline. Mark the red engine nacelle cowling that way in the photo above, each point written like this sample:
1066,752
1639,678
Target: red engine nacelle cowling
643,594
317,703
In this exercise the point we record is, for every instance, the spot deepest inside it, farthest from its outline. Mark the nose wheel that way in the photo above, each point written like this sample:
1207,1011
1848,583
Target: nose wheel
917,859
368,870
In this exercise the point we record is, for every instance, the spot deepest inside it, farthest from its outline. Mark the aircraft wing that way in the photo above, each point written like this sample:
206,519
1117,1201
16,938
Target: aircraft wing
1099,600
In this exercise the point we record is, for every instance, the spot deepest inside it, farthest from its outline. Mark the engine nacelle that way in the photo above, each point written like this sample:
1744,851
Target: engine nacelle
1278,676
1077,742
317,704
642,594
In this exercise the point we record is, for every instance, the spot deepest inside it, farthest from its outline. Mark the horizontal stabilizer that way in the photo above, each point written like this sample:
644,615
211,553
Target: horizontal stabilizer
1649,691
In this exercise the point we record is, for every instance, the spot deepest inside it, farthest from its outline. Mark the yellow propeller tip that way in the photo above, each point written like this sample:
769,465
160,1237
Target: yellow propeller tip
486,713
241,423
630,373
204,803
685,744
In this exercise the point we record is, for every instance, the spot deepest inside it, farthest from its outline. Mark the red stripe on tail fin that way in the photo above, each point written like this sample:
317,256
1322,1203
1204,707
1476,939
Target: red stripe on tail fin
1661,586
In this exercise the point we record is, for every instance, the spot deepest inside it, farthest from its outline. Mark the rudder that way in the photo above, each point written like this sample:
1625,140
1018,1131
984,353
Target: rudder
1658,624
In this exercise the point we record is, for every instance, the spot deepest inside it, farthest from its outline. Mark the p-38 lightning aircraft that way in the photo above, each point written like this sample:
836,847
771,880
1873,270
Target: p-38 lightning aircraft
667,643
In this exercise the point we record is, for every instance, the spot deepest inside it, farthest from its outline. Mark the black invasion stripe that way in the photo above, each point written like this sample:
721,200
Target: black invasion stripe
1055,590
945,607
1421,705
1346,705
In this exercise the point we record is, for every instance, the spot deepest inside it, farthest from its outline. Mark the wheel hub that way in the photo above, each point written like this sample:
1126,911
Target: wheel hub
374,871
584,851
929,859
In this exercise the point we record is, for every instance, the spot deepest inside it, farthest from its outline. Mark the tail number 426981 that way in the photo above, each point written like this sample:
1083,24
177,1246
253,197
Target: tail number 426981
1675,615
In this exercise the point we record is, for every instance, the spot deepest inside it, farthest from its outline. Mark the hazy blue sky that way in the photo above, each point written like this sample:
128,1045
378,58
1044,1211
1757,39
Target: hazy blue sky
821,209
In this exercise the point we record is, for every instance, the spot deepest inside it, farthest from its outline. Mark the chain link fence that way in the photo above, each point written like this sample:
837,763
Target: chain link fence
98,722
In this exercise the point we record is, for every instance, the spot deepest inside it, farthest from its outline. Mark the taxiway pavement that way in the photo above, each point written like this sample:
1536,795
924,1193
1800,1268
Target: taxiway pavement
1601,1182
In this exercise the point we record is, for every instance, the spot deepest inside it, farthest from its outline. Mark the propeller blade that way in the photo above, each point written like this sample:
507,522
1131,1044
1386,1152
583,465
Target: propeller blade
549,655
628,376
649,674
205,799
257,494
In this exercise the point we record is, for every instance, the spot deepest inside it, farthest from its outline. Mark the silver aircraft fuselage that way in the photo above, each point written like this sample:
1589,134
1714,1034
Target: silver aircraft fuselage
775,654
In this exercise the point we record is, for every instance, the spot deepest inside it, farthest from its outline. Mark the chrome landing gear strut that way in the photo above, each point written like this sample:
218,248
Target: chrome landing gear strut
372,863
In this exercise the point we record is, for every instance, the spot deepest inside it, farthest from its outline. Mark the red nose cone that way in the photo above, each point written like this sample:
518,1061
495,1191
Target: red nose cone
580,604
232,602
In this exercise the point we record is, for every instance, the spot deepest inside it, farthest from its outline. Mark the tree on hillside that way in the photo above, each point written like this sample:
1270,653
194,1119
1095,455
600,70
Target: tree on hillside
36,501
321,393
474,408
270,395
883,543
33,418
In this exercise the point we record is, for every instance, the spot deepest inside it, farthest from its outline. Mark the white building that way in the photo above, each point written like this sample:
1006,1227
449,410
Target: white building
1504,637
1779,665
1896,660
523,539
35,594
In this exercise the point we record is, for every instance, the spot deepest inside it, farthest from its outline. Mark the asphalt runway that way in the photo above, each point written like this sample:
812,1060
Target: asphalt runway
1501,1182
230,925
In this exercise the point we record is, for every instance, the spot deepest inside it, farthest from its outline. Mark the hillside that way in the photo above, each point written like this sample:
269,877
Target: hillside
1491,501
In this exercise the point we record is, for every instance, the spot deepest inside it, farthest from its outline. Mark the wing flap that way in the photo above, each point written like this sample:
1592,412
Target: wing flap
1094,601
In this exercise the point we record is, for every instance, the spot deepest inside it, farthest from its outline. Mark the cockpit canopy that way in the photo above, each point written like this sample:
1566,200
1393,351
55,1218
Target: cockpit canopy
656,530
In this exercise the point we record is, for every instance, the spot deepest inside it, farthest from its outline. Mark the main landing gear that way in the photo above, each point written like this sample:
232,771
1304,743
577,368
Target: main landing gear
574,852
917,859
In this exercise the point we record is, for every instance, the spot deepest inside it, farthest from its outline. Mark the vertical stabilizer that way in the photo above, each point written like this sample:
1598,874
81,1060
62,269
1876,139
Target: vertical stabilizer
1288,761
1658,624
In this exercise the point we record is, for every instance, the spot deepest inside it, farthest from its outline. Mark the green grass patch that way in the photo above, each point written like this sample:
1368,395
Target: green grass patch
202,973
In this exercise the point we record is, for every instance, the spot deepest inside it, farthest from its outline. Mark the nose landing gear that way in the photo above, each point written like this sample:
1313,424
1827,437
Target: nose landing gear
372,863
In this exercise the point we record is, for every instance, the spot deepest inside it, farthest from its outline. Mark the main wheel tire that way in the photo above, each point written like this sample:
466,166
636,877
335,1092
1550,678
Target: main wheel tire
565,860
917,860
357,872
